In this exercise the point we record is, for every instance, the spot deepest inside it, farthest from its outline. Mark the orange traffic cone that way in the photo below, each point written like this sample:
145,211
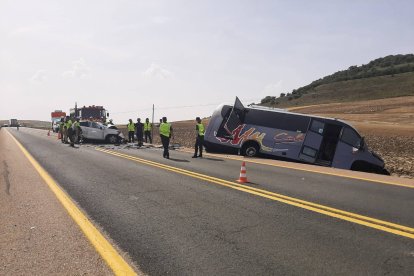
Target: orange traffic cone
243,175
48,133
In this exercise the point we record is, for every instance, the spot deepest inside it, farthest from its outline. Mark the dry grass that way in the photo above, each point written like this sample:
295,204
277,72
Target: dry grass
383,87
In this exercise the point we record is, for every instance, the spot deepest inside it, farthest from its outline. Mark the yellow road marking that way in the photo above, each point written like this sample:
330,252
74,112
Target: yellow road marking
329,211
118,265
306,170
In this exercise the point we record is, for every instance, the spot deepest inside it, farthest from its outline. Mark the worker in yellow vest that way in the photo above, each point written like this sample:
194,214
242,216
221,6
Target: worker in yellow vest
77,131
67,126
147,131
200,130
131,131
165,134
71,132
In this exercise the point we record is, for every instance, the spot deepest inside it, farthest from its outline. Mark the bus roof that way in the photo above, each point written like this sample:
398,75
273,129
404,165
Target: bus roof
280,110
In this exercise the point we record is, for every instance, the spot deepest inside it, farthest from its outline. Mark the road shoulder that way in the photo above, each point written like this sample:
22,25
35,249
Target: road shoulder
37,236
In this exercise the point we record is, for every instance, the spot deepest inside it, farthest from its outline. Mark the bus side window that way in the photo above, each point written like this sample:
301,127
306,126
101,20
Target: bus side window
350,137
317,126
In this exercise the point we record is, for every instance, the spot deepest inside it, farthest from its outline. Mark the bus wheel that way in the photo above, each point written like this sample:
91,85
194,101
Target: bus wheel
250,149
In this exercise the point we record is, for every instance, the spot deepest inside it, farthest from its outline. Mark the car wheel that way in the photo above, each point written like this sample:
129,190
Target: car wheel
251,150
112,139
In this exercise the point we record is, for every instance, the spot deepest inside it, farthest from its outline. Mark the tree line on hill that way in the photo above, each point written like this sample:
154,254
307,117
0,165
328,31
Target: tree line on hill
389,65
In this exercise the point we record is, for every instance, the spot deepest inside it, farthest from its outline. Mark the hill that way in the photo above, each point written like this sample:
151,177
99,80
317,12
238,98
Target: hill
388,77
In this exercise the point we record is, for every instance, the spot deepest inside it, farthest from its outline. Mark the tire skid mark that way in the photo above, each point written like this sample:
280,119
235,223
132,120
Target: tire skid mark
6,174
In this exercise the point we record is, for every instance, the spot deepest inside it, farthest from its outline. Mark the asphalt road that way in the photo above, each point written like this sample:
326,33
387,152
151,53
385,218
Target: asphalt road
175,222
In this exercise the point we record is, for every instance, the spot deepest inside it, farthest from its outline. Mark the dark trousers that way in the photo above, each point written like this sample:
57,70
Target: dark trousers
76,134
199,145
71,136
139,138
131,135
148,135
165,144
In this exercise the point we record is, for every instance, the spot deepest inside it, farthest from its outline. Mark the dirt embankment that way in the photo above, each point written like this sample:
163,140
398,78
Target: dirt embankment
184,133
394,145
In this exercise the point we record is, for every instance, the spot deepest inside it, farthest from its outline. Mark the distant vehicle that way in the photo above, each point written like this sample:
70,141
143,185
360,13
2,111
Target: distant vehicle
56,116
276,132
99,132
90,113
13,123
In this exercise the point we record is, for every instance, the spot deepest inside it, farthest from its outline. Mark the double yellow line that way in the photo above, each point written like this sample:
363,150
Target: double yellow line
309,168
321,209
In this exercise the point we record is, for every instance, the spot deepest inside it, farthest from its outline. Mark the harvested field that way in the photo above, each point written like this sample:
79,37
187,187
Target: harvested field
184,133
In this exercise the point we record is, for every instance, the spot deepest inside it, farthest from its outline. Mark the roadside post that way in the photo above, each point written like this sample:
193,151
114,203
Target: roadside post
152,124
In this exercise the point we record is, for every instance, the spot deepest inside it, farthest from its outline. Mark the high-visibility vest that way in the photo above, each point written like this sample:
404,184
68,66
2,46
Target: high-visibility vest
201,129
131,127
147,126
69,124
76,124
165,129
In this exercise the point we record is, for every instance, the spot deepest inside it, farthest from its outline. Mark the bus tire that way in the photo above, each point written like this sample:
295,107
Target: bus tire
250,149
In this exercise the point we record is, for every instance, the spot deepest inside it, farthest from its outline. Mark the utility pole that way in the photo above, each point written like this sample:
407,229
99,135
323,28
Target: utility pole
152,124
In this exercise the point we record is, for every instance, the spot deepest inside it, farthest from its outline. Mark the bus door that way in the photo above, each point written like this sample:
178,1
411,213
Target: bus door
313,141
232,120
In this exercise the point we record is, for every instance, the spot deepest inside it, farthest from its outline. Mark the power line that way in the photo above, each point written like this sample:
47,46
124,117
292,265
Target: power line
178,107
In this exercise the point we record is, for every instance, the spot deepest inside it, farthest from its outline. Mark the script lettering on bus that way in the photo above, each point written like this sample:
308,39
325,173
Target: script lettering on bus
249,134
284,137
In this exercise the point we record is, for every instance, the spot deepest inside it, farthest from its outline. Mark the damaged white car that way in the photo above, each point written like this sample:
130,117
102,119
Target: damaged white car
96,131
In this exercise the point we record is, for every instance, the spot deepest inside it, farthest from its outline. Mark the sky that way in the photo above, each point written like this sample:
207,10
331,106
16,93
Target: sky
185,57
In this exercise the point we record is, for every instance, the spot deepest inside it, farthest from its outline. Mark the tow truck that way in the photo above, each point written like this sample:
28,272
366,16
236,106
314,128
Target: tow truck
91,113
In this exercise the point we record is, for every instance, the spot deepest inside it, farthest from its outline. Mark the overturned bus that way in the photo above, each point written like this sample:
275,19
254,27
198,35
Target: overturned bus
287,135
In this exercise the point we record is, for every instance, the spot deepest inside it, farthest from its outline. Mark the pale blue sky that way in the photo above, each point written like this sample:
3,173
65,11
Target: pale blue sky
127,55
